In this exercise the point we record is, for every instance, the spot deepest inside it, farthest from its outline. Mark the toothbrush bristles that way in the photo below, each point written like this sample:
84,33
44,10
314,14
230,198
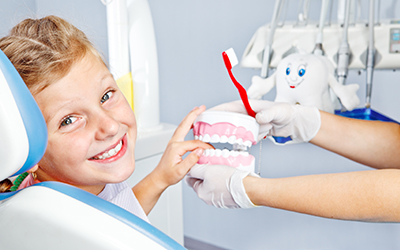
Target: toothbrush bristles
232,57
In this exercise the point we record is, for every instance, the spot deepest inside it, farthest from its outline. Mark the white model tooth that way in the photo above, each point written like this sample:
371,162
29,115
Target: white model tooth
206,138
214,139
232,139
212,152
196,137
218,152
248,143
235,153
200,137
206,152
224,139
239,141
225,153
244,153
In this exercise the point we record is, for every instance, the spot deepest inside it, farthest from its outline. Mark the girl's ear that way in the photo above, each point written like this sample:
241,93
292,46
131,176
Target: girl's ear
33,169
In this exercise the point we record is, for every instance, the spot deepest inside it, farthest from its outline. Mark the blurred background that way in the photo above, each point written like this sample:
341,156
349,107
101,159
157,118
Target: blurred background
190,36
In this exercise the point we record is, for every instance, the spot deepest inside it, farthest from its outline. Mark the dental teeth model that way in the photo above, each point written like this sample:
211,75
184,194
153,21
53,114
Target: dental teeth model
219,127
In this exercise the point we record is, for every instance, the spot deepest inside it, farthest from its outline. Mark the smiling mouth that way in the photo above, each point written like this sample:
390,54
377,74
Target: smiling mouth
294,84
109,153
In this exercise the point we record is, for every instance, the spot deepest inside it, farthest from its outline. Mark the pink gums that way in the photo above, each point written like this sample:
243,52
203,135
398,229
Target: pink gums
223,128
230,161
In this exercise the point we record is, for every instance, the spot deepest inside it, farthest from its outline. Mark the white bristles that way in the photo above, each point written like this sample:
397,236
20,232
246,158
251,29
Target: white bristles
232,57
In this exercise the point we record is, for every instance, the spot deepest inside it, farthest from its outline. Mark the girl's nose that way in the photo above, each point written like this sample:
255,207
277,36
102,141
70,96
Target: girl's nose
107,126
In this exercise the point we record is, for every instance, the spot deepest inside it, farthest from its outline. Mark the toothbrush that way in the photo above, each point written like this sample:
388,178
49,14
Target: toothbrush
231,60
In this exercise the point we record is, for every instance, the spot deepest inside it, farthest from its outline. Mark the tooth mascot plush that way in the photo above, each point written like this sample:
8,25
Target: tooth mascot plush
306,79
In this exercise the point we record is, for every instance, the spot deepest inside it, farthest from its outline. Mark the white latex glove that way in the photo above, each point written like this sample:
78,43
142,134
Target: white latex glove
301,123
219,185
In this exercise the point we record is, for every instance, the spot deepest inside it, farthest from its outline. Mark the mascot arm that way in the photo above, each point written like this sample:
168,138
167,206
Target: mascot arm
346,93
260,86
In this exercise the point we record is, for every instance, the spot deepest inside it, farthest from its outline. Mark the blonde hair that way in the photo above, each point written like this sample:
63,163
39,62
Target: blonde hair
43,51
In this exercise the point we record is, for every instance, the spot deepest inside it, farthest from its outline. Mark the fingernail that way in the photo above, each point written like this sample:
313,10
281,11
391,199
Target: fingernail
199,152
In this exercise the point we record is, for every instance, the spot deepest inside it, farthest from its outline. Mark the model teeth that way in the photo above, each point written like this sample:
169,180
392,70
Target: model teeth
223,139
224,153
109,153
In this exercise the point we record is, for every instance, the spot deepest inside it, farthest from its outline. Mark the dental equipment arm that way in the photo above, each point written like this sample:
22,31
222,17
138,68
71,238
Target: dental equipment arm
171,168
361,196
268,46
318,50
344,53
370,54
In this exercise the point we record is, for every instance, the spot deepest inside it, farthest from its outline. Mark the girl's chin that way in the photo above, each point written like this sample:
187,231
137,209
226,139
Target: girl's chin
122,175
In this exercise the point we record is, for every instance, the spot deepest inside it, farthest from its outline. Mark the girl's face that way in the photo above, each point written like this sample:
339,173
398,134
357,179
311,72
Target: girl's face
91,127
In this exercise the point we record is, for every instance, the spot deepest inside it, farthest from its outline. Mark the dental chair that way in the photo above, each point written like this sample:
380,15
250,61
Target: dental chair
53,215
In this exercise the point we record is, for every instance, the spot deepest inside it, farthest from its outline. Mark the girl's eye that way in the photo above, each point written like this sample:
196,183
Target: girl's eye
302,71
106,96
67,121
287,71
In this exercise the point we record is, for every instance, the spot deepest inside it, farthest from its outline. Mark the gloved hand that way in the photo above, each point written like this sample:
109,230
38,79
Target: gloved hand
220,186
301,123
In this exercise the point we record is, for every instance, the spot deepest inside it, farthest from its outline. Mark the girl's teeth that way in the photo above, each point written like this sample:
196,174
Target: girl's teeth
110,153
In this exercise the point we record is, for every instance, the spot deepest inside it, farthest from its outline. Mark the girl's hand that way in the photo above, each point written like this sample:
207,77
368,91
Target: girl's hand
172,167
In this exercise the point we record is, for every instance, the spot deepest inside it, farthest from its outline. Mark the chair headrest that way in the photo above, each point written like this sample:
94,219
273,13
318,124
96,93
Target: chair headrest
23,131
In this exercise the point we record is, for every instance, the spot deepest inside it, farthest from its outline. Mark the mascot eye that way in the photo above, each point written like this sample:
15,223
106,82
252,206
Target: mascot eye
287,71
302,71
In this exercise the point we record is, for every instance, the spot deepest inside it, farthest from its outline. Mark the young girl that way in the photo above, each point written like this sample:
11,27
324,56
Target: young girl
91,127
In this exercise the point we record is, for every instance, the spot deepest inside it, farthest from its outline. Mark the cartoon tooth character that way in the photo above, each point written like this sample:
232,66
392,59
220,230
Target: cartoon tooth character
306,79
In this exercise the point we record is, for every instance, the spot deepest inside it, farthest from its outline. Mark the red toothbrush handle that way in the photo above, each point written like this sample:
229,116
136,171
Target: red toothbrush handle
242,91
243,95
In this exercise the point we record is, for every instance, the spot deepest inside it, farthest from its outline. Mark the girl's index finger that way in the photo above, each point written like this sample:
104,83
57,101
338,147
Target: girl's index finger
187,123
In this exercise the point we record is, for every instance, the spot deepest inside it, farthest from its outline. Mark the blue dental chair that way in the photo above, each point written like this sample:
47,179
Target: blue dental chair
52,215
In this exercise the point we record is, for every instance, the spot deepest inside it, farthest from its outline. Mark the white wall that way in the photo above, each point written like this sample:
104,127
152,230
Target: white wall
191,36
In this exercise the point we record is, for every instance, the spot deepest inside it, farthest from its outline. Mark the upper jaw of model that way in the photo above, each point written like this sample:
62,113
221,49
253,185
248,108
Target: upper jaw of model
236,129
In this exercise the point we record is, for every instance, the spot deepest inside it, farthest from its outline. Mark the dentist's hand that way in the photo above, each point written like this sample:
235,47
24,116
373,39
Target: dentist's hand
220,186
301,123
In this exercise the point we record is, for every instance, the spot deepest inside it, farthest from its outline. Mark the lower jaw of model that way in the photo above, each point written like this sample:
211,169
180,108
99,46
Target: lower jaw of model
236,131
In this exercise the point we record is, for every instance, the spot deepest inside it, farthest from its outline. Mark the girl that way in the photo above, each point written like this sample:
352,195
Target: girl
91,127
